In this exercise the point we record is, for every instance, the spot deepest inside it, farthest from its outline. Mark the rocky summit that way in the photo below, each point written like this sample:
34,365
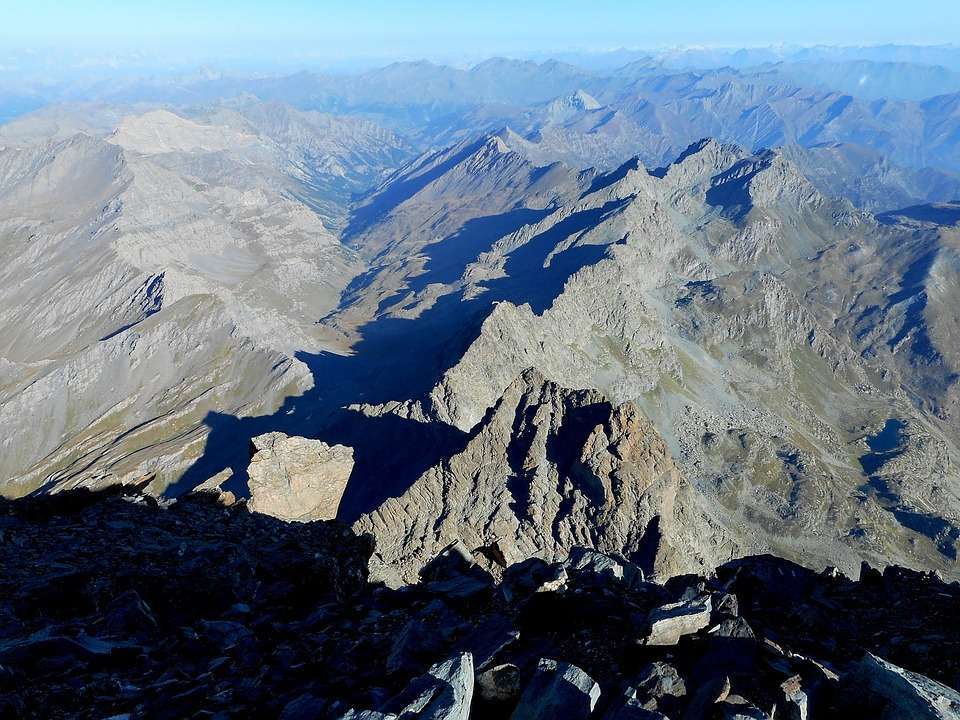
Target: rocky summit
547,469
119,606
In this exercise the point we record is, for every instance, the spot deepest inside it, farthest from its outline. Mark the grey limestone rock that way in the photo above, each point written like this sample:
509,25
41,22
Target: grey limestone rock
906,694
444,693
671,622
557,689
656,681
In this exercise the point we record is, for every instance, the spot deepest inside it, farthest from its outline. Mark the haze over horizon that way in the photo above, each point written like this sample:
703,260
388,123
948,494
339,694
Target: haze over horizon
142,36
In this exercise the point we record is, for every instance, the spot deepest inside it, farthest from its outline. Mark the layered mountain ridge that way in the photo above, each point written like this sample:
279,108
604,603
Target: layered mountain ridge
170,269
546,470
707,301
707,336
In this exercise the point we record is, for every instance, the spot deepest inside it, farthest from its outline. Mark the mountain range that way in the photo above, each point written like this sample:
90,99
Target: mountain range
791,356
322,391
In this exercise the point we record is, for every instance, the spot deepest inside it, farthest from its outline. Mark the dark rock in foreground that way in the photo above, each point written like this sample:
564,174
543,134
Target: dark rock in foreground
111,606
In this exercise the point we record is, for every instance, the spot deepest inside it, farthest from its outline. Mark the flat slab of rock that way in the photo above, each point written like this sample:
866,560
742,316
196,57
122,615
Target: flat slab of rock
444,693
671,622
907,694
605,567
294,478
213,486
557,690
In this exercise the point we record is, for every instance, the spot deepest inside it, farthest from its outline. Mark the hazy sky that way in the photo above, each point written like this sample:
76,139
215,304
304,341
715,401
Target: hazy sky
430,28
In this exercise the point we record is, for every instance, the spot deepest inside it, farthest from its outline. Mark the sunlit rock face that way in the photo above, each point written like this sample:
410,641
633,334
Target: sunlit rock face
292,478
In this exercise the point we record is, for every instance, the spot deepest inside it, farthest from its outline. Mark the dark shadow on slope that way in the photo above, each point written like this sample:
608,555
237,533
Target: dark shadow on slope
912,280
397,359
398,192
564,449
731,189
649,546
604,181
152,291
447,259
390,453
944,534
528,260
913,293
937,213
885,446
522,435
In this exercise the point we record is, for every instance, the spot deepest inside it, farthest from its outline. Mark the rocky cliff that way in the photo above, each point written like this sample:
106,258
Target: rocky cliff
548,469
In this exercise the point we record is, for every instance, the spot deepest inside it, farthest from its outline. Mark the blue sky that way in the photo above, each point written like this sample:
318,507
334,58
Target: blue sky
431,28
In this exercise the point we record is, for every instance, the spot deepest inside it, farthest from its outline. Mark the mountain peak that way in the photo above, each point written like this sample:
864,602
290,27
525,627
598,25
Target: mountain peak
161,131
582,100
569,106
763,179
547,465
700,162
496,143
708,148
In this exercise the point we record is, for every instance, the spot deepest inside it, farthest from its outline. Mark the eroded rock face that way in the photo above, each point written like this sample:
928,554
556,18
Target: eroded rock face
546,470
293,478
165,291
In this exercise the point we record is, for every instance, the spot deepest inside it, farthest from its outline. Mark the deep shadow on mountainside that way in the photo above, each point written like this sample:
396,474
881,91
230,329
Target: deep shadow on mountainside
400,358
713,292
116,606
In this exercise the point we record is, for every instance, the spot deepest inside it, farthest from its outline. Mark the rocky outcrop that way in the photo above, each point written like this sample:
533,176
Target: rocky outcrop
907,694
214,488
198,610
547,469
293,478
557,689
444,693
671,622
